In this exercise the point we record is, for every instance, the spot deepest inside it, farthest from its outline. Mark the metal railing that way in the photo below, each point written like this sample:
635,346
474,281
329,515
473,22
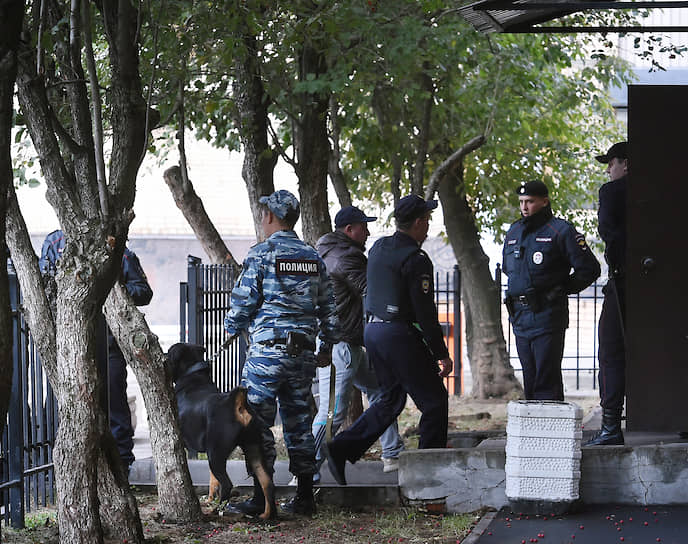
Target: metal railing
26,454
204,301
579,363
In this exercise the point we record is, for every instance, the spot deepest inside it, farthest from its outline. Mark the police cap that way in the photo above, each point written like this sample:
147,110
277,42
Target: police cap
349,215
618,150
281,203
532,188
411,207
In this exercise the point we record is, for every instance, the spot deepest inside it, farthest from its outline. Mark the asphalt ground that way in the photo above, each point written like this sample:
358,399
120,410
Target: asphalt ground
591,524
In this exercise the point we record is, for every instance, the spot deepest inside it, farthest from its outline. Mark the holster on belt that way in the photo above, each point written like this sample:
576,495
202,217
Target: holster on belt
509,303
297,342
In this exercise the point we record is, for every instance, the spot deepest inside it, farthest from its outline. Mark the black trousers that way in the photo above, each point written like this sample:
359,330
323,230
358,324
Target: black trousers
541,362
612,351
403,365
120,415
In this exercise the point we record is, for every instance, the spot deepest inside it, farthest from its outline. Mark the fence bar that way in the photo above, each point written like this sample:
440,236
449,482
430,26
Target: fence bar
458,333
15,434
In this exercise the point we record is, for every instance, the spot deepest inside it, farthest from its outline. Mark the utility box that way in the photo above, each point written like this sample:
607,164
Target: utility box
543,452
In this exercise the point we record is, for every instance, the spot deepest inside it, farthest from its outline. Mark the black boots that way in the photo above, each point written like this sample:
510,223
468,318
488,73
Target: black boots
303,503
610,434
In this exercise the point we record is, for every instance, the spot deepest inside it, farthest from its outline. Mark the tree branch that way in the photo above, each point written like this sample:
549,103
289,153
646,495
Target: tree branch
96,107
192,207
424,134
334,160
450,163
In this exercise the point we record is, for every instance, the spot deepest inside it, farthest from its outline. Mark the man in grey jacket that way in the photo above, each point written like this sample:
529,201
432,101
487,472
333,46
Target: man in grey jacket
343,253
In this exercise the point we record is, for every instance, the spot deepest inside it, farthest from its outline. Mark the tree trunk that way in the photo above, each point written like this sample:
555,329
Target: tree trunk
334,159
78,437
252,119
493,376
176,498
312,150
194,212
11,14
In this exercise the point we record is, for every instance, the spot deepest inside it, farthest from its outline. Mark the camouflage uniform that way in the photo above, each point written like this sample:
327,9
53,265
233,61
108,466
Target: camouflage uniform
283,287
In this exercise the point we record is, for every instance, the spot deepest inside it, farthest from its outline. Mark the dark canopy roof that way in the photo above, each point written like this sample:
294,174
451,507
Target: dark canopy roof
518,16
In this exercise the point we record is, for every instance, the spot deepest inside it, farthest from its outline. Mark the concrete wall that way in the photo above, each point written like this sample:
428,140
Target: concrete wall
464,480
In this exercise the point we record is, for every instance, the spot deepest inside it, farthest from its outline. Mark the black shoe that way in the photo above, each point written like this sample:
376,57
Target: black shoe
303,503
255,505
250,507
610,434
303,506
335,463
683,434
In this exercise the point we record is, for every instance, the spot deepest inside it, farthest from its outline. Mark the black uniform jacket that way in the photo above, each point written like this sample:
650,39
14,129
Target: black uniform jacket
612,223
540,252
416,293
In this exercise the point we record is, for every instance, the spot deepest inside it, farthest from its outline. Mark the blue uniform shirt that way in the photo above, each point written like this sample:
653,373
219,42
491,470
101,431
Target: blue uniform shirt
133,276
283,287
539,254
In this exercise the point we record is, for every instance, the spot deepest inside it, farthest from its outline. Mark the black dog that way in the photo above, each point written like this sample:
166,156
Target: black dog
216,423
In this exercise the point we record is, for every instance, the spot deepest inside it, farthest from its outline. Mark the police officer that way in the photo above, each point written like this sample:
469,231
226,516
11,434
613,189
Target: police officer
137,286
284,299
403,339
539,252
612,352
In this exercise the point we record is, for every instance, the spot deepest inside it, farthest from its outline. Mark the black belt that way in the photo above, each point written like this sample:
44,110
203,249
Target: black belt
519,299
274,342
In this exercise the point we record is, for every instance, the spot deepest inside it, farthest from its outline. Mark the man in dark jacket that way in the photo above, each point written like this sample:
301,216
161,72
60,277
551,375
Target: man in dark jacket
136,283
540,251
403,339
342,251
612,352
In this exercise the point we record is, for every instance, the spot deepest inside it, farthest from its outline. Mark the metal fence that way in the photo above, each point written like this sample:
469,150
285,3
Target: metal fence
579,364
204,301
26,455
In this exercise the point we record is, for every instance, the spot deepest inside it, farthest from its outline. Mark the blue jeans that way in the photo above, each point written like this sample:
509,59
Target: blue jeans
352,368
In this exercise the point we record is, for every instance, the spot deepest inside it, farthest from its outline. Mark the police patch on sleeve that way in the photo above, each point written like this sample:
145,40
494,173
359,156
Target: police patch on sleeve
425,284
580,240
296,267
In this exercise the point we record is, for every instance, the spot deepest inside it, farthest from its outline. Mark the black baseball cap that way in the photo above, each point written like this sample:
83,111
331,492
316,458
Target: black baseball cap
349,215
532,188
618,150
411,207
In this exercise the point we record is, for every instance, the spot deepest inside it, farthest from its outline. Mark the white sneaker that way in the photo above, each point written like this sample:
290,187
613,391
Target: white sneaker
390,464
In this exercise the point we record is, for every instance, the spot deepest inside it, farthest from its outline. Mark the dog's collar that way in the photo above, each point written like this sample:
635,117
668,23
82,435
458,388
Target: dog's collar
196,367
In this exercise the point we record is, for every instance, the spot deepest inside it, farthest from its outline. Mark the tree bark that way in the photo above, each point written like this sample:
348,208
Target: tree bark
252,119
423,132
334,168
176,498
84,452
191,206
11,15
312,150
493,376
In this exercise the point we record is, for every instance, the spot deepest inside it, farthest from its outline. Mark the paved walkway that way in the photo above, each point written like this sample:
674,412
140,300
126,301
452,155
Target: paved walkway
598,524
